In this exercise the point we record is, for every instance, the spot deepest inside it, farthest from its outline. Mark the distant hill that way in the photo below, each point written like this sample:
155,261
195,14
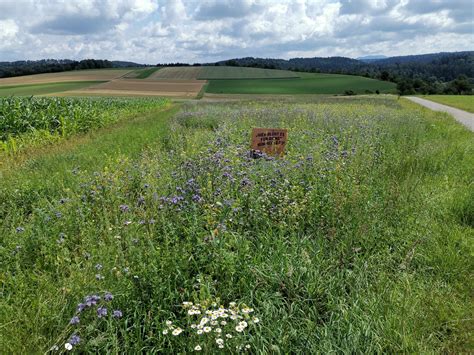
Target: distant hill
370,58
436,66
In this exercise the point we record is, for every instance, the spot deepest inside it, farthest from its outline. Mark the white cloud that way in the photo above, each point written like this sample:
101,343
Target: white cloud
154,31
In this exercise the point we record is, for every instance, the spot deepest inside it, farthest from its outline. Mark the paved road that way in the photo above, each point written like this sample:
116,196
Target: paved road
466,118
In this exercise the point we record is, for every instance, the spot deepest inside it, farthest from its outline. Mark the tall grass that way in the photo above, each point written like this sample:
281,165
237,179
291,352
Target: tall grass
356,241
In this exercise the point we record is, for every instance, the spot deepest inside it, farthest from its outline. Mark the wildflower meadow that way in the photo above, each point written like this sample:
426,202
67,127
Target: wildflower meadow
173,238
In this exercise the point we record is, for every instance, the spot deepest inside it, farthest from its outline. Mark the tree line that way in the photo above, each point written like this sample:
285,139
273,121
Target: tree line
19,68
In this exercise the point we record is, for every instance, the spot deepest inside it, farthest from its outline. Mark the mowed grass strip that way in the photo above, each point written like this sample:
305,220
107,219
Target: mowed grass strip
462,102
311,84
44,89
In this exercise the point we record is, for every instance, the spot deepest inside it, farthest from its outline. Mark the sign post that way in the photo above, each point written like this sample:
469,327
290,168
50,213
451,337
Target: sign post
271,141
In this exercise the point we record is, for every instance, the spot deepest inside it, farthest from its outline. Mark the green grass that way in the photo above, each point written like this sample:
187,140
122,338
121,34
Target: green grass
145,73
222,72
358,240
308,84
463,102
44,89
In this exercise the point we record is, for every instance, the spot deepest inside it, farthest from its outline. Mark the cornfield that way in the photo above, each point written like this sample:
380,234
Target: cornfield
33,117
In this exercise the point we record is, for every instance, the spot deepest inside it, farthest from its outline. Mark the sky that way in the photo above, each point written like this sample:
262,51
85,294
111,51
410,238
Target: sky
163,31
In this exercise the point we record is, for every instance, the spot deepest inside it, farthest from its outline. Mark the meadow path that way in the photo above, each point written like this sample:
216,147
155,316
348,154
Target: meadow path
466,118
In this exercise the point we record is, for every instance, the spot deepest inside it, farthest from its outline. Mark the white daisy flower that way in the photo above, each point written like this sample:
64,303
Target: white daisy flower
165,331
197,348
68,346
207,329
177,331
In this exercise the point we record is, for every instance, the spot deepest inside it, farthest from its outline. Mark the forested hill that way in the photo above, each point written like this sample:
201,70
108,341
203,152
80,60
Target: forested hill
29,67
443,67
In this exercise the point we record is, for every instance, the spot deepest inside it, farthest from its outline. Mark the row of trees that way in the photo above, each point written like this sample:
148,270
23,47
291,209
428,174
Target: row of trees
9,69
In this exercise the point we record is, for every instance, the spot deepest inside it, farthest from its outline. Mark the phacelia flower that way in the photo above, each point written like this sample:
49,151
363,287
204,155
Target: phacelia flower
108,296
101,312
75,339
117,313
74,320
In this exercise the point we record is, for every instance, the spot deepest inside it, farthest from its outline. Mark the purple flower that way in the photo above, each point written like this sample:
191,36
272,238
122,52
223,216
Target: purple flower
124,208
20,229
117,313
81,307
196,198
74,320
245,182
74,339
98,266
101,312
91,300
108,296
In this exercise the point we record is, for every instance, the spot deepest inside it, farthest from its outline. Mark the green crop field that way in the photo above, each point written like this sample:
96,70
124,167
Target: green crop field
44,89
158,232
142,73
223,72
463,102
27,121
307,84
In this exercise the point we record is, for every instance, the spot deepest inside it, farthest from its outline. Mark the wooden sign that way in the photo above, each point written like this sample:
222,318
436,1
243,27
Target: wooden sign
271,141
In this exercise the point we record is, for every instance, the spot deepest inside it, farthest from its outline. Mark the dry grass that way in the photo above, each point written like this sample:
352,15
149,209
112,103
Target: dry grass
79,75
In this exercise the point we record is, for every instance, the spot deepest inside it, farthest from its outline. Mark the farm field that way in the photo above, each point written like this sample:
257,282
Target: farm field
186,82
174,88
141,73
43,89
360,237
176,73
309,84
26,122
462,102
79,75
222,72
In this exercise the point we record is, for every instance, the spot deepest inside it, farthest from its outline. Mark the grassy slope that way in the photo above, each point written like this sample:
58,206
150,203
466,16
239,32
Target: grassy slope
43,89
143,73
462,102
376,257
222,72
309,84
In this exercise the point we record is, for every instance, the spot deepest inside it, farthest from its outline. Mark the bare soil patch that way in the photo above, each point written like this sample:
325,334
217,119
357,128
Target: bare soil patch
128,87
